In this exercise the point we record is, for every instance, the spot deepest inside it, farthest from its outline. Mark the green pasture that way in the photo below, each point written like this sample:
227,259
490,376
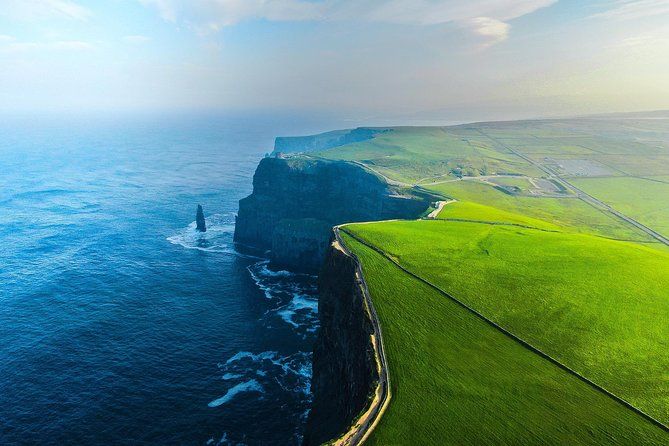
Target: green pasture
570,213
469,211
643,166
457,380
411,154
599,306
644,200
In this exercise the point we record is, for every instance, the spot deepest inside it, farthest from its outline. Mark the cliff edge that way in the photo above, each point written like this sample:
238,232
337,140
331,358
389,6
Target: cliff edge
296,201
290,214
344,363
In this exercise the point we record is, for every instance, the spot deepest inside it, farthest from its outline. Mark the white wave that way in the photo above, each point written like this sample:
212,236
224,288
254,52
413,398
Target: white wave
293,295
248,386
217,239
301,311
292,373
253,357
261,271
221,442
259,281
264,270
229,376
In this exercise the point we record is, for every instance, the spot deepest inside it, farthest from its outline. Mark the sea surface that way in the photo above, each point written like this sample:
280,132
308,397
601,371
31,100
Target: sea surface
119,323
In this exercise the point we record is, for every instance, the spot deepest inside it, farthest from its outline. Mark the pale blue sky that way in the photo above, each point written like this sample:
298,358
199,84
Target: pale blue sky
394,59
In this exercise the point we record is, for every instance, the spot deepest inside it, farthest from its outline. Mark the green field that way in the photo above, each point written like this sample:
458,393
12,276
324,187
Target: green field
412,154
457,380
644,200
464,210
598,305
567,276
521,183
569,213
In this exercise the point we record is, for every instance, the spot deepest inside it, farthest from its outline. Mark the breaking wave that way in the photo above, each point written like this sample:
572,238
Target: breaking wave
257,371
293,297
218,237
249,386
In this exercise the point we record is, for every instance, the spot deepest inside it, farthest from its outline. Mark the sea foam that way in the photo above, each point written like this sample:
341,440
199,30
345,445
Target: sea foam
248,386
217,238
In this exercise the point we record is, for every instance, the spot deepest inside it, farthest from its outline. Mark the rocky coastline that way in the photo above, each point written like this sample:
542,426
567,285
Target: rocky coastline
296,201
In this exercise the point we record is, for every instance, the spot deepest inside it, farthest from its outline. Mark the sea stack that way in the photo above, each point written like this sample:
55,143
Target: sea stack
199,219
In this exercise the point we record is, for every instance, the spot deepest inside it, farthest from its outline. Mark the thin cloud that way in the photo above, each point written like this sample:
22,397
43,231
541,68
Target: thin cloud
216,14
425,12
137,39
635,9
485,18
493,31
60,45
44,9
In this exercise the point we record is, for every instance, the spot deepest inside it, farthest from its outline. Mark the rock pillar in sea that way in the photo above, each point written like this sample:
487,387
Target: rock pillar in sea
199,219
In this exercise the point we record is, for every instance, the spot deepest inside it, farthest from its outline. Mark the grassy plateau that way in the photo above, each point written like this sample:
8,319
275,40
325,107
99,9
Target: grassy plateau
457,380
525,251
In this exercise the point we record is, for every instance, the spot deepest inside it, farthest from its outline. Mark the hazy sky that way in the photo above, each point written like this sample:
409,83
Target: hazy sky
376,58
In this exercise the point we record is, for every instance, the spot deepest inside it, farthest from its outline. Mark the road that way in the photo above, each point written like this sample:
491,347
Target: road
440,205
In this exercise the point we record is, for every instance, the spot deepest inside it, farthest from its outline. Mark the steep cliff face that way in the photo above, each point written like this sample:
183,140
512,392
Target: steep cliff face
294,204
294,199
344,367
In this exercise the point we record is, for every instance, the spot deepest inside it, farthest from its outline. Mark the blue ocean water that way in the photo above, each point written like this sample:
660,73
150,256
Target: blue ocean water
119,324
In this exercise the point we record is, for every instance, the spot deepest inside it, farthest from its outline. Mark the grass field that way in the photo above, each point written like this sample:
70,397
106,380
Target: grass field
599,306
521,183
464,210
410,154
568,213
644,200
584,286
457,380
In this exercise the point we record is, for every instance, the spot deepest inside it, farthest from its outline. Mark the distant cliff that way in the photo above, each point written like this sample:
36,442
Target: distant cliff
324,141
295,202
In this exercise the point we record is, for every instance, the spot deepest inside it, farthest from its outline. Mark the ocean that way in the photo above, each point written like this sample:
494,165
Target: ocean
119,323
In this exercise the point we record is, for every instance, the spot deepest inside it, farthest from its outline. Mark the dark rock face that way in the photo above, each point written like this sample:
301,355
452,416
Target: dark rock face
199,219
313,194
344,367
294,204
298,245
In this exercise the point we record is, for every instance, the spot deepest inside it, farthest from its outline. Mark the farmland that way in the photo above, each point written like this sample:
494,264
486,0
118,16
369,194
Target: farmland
522,244
645,200
556,290
457,380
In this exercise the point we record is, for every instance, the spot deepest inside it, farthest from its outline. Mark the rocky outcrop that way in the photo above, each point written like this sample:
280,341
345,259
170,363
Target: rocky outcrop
199,219
344,366
294,199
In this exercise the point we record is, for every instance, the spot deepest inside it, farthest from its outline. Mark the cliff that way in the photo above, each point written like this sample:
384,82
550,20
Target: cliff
295,203
324,141
296,200
344,366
